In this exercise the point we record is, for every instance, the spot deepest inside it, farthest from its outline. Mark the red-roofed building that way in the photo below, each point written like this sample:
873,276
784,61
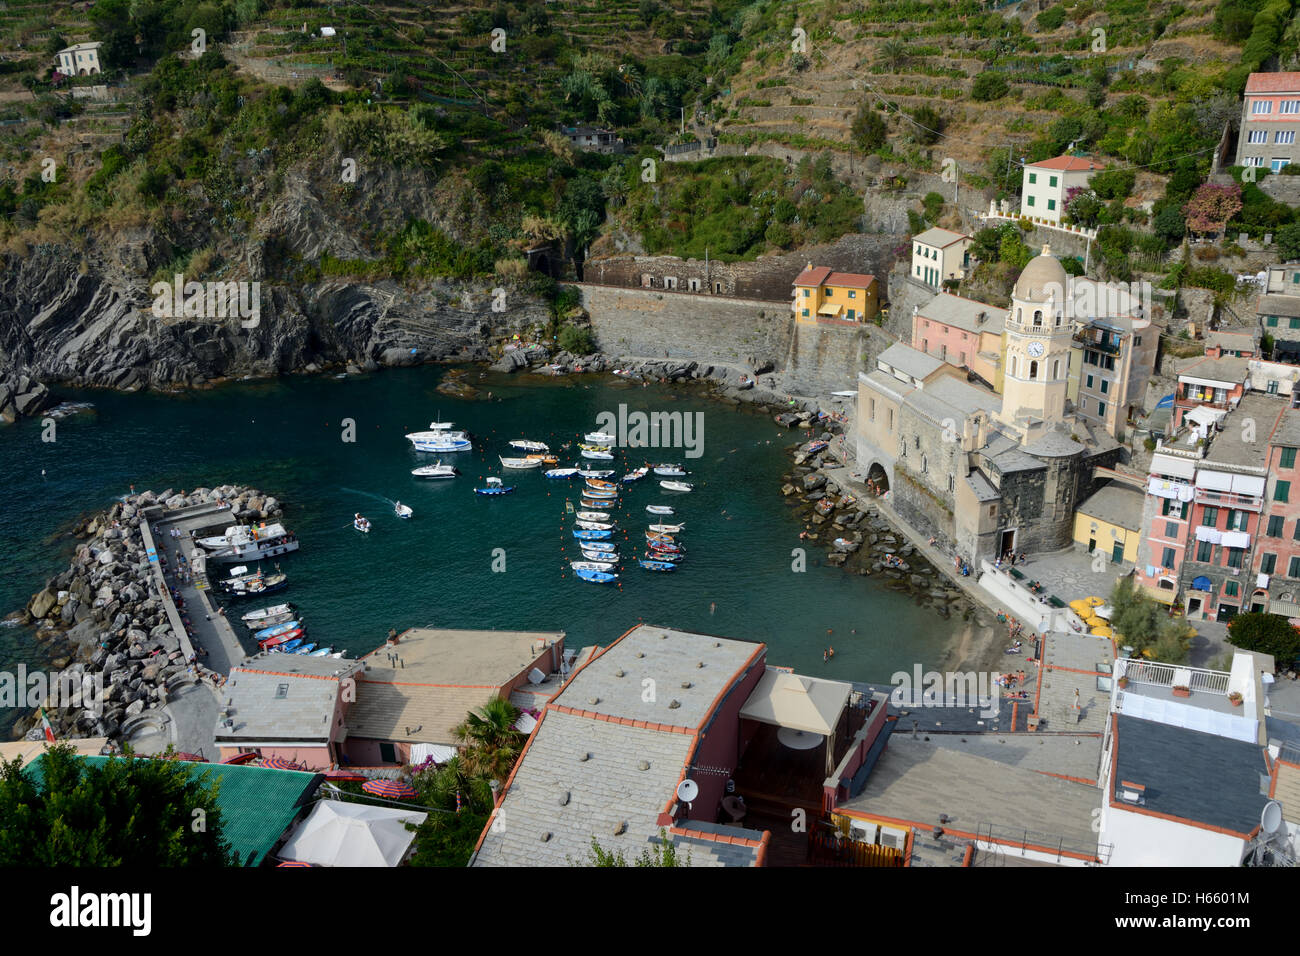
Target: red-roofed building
1270,117
823,294
1046,184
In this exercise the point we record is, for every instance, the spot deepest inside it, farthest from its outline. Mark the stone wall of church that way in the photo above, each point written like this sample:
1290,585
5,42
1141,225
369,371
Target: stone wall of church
930,461
1040,503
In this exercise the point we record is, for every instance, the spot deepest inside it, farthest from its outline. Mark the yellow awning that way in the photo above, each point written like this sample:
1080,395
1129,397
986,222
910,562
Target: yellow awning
829,308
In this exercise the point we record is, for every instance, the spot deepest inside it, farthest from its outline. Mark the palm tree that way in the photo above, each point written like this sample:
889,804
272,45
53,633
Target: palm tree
895,53
491,726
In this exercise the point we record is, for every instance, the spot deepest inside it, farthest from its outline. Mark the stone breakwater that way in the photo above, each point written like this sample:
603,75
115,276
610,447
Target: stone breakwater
104,617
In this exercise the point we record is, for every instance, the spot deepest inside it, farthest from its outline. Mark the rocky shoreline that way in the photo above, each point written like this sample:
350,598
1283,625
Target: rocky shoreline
103,617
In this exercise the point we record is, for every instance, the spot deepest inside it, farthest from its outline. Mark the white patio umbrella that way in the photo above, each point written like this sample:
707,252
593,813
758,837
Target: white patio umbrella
352,834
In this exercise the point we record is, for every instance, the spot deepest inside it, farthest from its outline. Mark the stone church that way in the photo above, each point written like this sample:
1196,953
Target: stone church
991,473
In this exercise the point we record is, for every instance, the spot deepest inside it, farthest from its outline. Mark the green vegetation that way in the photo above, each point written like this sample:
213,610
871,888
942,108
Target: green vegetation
1143,623
127,812
660,853
727,207
1268,634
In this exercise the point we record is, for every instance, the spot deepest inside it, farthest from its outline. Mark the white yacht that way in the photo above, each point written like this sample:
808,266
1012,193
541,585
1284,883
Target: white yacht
440,438
436,471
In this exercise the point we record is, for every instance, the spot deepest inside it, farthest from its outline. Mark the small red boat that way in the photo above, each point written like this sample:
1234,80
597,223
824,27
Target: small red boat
280,638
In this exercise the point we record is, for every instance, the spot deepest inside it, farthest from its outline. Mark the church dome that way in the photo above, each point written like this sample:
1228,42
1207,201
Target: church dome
1043,276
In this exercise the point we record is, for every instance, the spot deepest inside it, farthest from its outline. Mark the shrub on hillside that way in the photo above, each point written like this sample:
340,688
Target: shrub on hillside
989,86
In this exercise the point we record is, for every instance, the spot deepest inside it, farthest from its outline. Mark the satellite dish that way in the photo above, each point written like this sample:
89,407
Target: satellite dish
688,790
1271,819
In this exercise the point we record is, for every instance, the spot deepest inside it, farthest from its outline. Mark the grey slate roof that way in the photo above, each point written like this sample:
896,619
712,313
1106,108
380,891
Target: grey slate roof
1189,774
963,396
984,490
964,314
1116,503
942,238
604,792
1288,430
1287,306
1229,447
557,801
886,384
1053,444
303,713
670,658
910,361
1228,369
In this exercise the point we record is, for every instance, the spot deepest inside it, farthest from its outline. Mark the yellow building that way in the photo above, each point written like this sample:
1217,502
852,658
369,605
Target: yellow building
1110,523
822,293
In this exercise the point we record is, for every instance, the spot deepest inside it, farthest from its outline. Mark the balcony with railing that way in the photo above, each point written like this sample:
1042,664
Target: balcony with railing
1229,499
1193,686
1102,342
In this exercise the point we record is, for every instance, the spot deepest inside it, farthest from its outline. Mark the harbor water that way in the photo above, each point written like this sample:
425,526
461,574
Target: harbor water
288,438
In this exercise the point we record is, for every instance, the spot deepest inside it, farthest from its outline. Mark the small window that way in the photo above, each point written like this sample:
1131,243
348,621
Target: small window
1105,386
1171,531
1275,523
1211,517
1101,409
1268,563
1293,568
1051,204
1033,178
1230,589
1051,181
1029,200
1167,559
1282,491
1204,551
1288,457
281,691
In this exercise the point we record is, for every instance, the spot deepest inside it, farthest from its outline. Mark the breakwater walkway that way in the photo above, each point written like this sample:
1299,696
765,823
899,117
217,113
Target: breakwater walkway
209,636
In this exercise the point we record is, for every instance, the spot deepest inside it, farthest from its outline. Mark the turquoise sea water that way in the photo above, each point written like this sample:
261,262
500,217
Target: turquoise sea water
284,437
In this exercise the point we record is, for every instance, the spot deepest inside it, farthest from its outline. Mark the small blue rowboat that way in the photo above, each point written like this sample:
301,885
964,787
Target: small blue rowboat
306,649
597,577
599,546
591,535
657,565
494,487
599,493
278,629
323,652
291,645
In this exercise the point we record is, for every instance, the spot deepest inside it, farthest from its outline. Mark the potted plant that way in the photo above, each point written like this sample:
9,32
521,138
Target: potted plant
1182,690
1123,682
1235,698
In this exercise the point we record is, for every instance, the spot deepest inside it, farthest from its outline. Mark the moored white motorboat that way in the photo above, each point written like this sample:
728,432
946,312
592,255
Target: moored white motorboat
598,546
588,554
561,472
636,475
521,463
667,528
597,455
242,534
361,524
595,473
659,510
440,437
593,565
262,614
401,510
676,486
595,525
600,438
436,471
593,515
524,444
670,471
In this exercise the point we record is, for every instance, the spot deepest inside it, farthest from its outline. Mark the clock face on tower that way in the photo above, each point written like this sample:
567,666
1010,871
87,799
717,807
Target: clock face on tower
1035,349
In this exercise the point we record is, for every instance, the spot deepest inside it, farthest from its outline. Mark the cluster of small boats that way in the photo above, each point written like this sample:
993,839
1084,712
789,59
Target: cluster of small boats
280,628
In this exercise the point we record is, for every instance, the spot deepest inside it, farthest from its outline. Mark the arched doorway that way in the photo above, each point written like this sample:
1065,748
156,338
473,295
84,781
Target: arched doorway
877,479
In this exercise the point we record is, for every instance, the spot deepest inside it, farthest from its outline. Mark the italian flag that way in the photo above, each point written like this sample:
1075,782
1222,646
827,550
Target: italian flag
45,724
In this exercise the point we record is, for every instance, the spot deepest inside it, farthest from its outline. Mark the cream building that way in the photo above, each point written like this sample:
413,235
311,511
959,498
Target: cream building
939,254
1044,185
81,59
